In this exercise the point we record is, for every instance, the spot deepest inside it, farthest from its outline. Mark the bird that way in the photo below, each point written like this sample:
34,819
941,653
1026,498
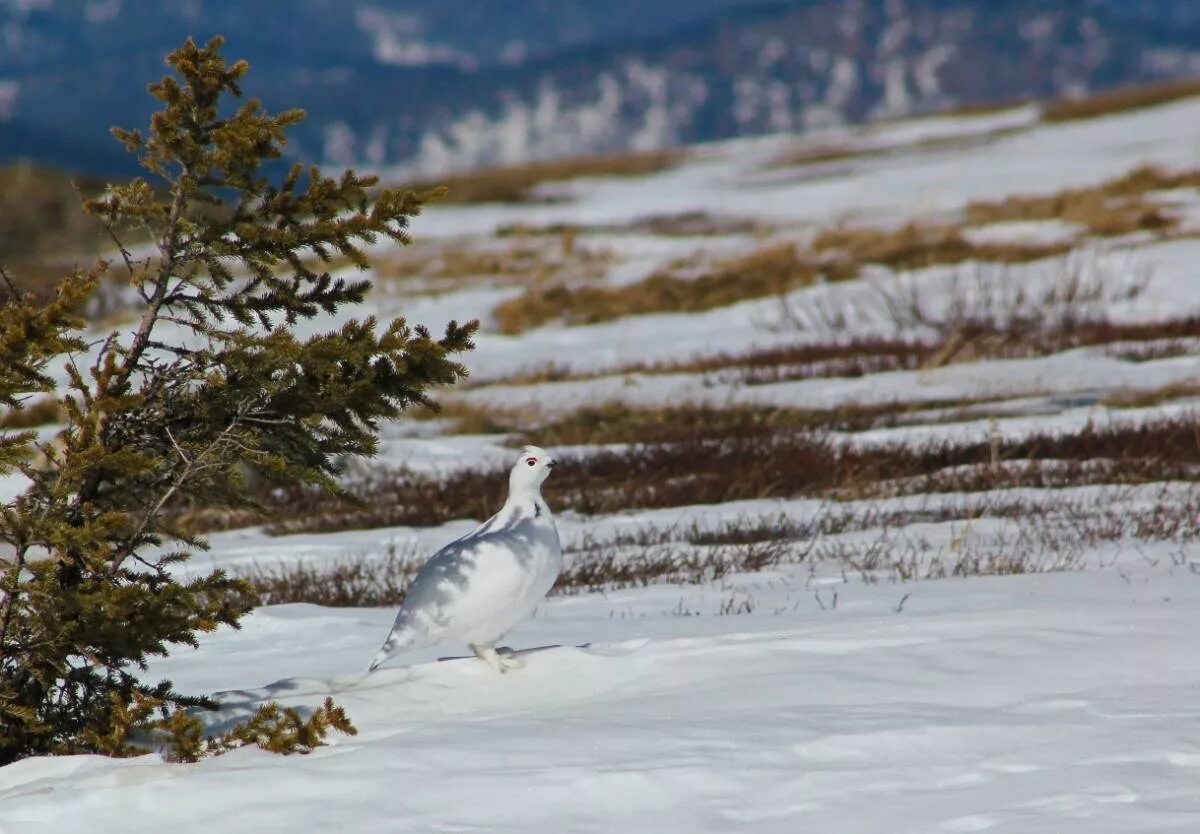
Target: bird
479,586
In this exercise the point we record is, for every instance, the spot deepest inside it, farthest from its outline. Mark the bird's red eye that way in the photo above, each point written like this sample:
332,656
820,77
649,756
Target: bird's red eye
530,461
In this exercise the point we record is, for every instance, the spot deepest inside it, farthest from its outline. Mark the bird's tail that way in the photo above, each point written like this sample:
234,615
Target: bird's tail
397,640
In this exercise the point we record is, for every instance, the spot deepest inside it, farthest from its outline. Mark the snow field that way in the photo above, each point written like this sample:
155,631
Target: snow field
982,704
811,696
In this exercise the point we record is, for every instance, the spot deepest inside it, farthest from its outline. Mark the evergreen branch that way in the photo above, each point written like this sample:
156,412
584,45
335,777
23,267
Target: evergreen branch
157,420
191,467
126,255
9,603
12,290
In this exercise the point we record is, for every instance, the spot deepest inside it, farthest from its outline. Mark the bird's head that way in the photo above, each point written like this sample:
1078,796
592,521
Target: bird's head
530,470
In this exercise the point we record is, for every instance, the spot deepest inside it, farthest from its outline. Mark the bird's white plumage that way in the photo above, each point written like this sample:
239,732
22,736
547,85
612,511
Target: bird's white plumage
478,587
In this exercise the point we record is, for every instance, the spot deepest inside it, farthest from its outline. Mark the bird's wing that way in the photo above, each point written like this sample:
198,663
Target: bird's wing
434,585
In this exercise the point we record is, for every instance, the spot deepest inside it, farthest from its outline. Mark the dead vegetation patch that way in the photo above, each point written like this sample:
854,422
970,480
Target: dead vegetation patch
771,270
1115,207
706,464
916,246
346,583
1044,533
836,254
446,267
822,154
1026,325
615,423
1153,350
620,423
1154,396
1120,100
679,224
855,357
519,183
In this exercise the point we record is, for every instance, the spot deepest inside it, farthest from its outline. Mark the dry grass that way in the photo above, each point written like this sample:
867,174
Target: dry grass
1120,100
443,268
825,154
519,183
466,418
1115,207
771,270
820,154
681,224
817,155
1153,396
695,224
915,246
984,314
982,107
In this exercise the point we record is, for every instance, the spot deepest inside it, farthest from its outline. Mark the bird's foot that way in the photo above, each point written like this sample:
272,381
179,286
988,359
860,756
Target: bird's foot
512,661
501,663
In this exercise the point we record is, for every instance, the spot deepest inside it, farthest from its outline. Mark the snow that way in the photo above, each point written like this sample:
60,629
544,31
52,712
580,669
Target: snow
1167,268
1086,370
1043,232
1024,157
939,717
808,696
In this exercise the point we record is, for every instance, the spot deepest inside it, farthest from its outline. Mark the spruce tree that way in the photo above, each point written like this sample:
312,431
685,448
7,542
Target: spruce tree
211,381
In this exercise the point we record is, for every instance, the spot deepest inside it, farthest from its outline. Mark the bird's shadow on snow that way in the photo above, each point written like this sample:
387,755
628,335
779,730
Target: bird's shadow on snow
302,695
306,694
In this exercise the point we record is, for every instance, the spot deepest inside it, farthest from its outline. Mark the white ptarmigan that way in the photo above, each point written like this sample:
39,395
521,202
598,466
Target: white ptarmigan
477,588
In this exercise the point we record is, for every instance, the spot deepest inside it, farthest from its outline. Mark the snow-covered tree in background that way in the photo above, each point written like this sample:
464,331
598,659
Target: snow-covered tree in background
210,381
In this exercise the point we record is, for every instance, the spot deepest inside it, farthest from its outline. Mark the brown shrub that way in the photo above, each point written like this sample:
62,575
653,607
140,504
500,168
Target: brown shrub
700,466
1153,350
967,339
1051,535
360,582
1153,396
614,423
1120,100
